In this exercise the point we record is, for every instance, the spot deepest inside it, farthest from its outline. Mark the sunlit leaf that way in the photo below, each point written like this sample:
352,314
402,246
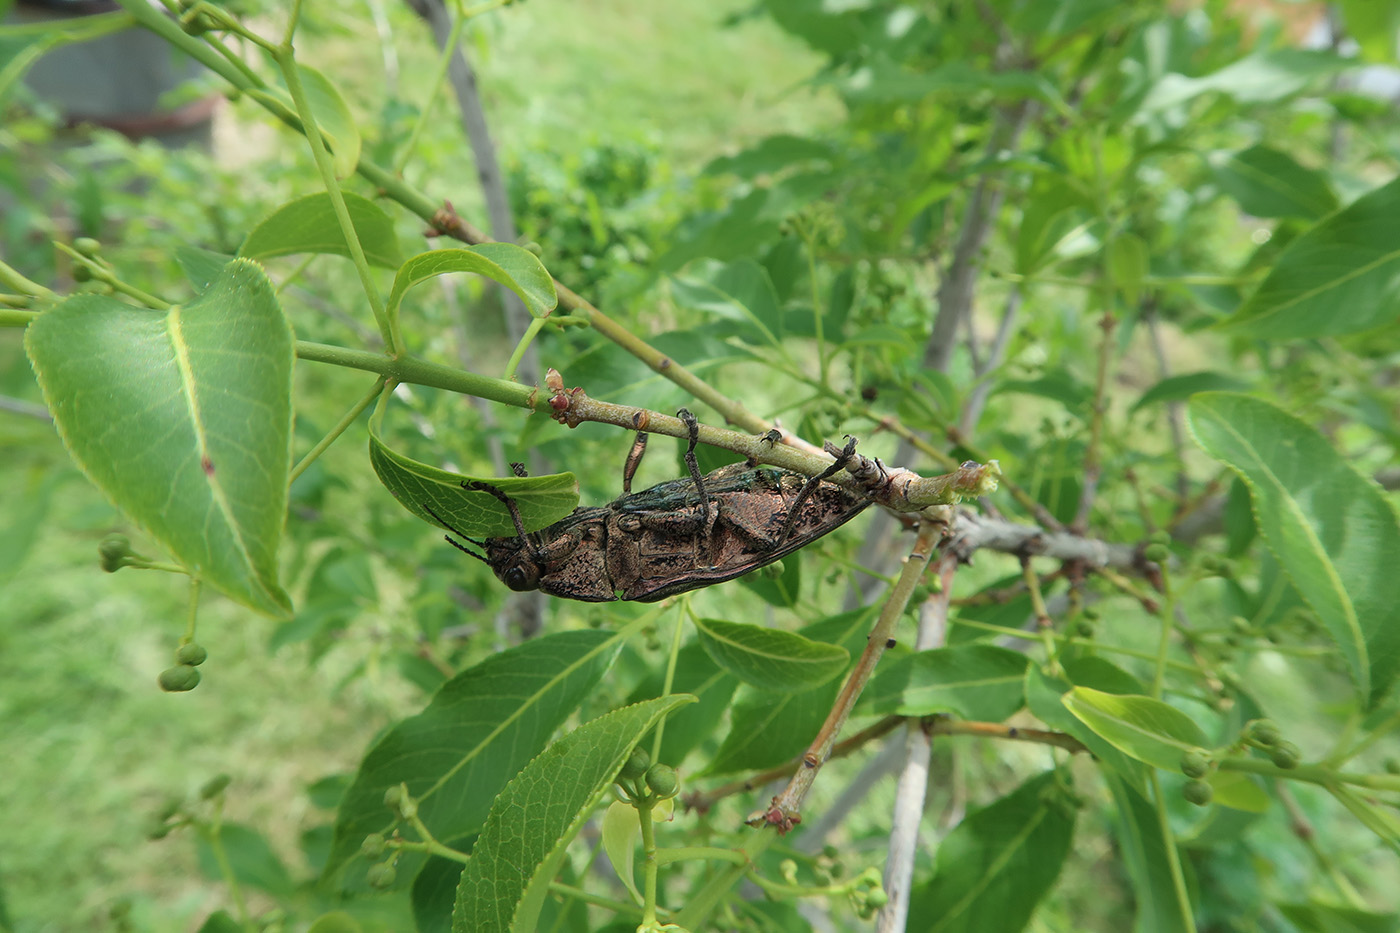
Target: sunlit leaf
770,658
309,225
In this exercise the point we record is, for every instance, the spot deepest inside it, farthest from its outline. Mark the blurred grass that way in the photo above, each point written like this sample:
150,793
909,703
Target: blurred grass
91,747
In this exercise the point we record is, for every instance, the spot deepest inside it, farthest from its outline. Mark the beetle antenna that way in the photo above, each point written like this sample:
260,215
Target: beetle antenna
843,458
478,486
448,538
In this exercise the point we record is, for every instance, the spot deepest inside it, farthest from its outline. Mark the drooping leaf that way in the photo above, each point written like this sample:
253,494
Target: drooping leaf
1321,917
1146,729
1043,694
514,267
419,488
539,812
1238,791
333,118
309,225
978,682
1332,529
769,658
1340,277
994,868
184,419
1263,77
1146,859
478,731
1269,183
740,291
1176,388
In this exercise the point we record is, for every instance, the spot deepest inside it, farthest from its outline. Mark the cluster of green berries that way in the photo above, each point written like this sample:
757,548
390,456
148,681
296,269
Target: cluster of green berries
185,674
643,781
1265,736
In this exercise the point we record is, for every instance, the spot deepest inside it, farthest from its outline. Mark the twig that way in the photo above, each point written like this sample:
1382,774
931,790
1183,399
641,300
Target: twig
785,810
972,411
1093,456
18,406
913,777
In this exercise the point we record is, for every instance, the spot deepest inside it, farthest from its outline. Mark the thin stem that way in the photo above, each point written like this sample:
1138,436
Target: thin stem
286,61
1043,623
193,613
10,277
669,681
1183,899
1303,829
1168,614
579,894
649,865
1319,774
806,235
435,84
696,853
214,836
355,411
1093,455
531,332
292,22
704,901
1379,732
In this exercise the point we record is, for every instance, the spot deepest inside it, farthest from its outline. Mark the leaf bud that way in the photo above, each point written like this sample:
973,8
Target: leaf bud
381,875
178,679
1197,792
1286,755
663,781
1263,732
1157,553
636,764
215,786
1195,763
114,550
373,846
192,654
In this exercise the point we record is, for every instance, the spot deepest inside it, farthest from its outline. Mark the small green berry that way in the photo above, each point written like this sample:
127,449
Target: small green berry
1160,537
114,550
381,875
1241,625
215,786
1263,732
1084,628
1157,553
192,654
636,765
1197,792
179,678
663,781
1091,613
394,797
1195,763
1286,755
159,830
877,898
82,273
373,846
87,246
1391,765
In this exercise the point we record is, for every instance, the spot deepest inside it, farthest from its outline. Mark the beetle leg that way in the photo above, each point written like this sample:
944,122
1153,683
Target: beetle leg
449,539
843,458
694,427
634,460
478,486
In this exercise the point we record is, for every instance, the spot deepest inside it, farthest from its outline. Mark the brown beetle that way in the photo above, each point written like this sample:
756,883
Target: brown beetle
674,537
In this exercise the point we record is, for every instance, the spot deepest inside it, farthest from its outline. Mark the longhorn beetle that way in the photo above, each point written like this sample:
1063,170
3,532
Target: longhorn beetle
671,538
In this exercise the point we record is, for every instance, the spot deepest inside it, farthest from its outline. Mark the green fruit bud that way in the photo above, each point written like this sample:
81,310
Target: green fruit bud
636,765
192,654
1286,755
1090,613
215,786
87,246
393,797
1195,763
1160,537
1241,625
663,781
114,550
159,831
1391,765
1157,553
877,898
1263,732
381,875
82,273
373,846
1197,792
178,679
1084,628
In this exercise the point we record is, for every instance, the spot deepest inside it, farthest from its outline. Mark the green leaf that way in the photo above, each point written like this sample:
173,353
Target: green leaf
700,677
1145,857
184,419
1146,729
1128,264
979,682
994,868
770,658
1043,695
478,731
771,155
1270,183
221,921
1332,529
334,119
542,500
1340,277
516,268
309,225
1375,25
540,811
337,921
620,828
200,266
1239,791
1319,917
1263,77
252,860
740,291
1176,388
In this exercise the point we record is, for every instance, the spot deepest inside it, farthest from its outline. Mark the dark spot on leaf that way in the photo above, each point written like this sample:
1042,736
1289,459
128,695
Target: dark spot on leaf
207,465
